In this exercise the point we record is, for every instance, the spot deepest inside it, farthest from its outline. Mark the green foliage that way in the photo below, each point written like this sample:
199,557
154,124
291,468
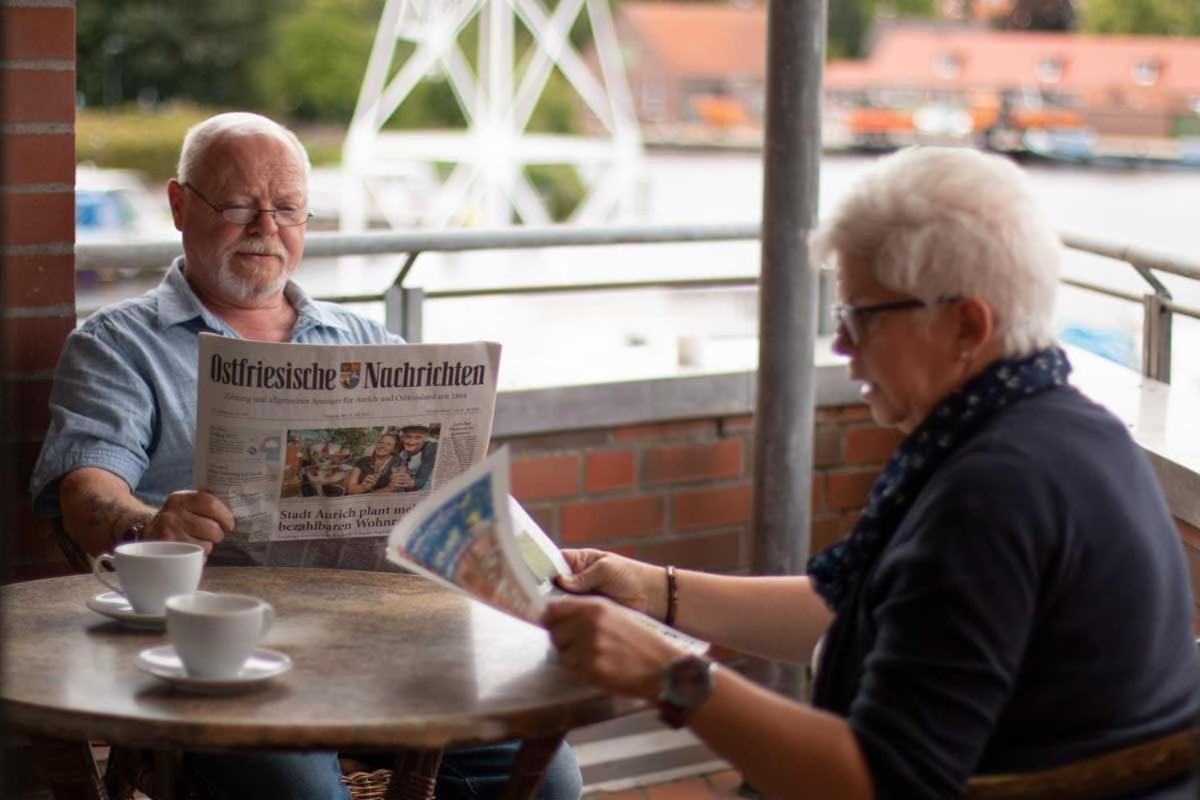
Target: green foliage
847,28
906,8
134,138
557,108
148,140
431,104
1039,15
356,439
159,50
560,187
1148,17
317,58
849,23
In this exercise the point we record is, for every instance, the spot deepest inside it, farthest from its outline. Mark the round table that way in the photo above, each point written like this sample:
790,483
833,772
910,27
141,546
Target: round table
381,661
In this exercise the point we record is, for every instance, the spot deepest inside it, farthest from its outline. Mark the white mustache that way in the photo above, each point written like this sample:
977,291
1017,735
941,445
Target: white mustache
261,248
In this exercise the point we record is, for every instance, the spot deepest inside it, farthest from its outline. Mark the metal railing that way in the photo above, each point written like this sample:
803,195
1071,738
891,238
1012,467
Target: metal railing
403,304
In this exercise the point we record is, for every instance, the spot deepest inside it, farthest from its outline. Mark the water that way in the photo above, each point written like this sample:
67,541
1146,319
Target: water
574,338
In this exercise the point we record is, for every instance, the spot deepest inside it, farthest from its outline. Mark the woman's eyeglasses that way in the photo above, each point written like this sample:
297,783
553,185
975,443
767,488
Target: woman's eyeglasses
852,320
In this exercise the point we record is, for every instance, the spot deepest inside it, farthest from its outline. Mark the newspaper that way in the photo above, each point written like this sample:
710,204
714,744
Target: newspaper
473,537
337,441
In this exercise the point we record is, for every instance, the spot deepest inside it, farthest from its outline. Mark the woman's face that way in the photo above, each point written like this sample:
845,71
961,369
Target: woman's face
385,446
907,358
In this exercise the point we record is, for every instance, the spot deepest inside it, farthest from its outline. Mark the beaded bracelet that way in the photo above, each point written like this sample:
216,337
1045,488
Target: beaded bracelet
672,597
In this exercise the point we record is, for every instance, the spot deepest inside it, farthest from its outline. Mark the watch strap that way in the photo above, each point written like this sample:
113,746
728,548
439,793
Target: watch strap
686,684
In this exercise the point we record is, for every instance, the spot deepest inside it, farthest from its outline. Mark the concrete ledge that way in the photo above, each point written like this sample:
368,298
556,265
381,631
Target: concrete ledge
562,408
1164,419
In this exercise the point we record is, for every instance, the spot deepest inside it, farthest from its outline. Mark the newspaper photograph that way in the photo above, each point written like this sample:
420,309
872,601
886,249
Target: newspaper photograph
473,537
337,441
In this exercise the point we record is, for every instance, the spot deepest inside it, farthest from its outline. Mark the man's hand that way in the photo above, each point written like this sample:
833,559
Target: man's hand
401,479
614,576
191,516
99,508
601,644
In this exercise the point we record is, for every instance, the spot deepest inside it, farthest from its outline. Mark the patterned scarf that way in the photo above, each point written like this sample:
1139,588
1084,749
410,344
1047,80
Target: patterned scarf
836,570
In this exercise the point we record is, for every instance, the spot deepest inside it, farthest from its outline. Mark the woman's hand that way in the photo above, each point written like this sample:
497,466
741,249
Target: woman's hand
628,582
601,644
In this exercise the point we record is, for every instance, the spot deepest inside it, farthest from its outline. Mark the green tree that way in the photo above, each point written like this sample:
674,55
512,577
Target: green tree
153,50
1161,17
1040,15
847,28
317,57
850,22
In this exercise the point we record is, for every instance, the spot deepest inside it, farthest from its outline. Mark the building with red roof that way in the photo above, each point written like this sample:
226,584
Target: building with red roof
705,65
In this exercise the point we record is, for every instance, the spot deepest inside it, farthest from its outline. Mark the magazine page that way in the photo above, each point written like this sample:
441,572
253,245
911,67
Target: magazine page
472,536
545,563
337,441
462,539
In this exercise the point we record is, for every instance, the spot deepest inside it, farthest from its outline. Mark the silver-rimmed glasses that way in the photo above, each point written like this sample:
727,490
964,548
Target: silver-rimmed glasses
244,215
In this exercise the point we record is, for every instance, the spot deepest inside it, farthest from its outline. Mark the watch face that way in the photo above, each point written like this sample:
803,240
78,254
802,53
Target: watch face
687,682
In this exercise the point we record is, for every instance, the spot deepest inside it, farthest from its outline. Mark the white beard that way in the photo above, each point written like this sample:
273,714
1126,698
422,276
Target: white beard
249,287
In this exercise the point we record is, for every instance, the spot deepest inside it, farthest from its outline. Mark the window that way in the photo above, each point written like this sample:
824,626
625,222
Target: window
1050,69
1145,72
947,66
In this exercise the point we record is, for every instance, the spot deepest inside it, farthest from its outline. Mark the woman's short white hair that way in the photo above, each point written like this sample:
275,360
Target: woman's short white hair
939,222
203,135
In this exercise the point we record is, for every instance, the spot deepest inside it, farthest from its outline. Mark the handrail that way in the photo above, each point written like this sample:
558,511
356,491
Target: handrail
403,303
156,253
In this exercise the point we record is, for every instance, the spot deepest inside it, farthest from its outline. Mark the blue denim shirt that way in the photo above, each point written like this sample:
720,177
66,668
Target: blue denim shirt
124,395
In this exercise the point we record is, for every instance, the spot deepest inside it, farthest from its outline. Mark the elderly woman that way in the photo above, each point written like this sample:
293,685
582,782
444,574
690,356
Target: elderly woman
1014,596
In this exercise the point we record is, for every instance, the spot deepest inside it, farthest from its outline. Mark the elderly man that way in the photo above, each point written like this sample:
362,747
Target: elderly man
417,456
117,460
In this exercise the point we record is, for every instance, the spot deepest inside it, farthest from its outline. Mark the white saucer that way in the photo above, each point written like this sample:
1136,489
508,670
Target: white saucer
163,662
115,606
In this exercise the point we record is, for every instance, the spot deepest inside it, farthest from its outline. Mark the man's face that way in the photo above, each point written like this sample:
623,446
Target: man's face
241,265
413,440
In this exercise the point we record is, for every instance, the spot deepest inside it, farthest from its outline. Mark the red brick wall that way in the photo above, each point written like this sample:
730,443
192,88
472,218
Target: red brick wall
681,492
37,268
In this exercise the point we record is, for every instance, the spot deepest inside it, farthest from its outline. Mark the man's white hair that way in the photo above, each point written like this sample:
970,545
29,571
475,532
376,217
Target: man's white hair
203,135
938,222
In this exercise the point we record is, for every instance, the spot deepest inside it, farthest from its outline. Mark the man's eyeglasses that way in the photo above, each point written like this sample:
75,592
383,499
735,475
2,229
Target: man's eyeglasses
852,320
244,215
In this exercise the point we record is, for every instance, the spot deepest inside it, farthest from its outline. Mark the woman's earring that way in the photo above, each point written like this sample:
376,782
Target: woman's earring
965,355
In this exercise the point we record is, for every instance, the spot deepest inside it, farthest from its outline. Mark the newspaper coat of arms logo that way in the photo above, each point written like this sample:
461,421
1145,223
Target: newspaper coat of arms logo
351,374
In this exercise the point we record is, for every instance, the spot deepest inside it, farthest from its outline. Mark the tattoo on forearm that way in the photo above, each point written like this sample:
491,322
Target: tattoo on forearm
109,515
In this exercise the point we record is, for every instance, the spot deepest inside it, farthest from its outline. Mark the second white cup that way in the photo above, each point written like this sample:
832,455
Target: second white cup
214,633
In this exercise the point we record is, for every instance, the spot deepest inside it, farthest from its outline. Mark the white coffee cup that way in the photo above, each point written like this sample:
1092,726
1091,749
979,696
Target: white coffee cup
150,572
214,633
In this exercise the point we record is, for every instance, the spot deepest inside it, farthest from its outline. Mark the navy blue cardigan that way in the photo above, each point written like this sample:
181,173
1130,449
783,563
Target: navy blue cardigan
1033,608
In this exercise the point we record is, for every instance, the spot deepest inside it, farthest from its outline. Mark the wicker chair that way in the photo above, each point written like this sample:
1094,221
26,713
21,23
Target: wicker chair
1116,774
368,785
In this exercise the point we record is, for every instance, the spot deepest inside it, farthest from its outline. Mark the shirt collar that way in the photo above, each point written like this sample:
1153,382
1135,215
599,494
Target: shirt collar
310,313
178,303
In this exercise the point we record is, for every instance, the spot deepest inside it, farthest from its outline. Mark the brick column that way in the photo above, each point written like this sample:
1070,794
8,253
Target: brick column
37,265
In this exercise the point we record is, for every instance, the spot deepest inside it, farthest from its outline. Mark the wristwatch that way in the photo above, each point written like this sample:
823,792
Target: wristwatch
685,684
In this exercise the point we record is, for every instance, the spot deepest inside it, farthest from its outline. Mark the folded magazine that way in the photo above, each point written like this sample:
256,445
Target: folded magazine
471,536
